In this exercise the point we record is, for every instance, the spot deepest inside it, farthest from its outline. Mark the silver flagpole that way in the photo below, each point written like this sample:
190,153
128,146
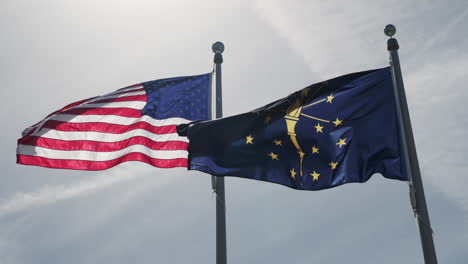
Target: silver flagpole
417,198
218,182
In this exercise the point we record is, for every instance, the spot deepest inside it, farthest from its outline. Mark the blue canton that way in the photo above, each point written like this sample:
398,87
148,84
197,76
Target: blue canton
186,97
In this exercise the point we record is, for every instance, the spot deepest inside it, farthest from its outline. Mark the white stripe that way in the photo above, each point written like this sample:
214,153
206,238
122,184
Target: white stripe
87,104
107,137
118,120
138,105
99,156
126,89
115,96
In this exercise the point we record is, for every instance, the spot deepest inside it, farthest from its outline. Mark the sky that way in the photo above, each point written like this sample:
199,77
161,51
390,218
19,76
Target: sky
58,52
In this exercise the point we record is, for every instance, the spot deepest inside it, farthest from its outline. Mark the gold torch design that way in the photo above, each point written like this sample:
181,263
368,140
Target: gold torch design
292,117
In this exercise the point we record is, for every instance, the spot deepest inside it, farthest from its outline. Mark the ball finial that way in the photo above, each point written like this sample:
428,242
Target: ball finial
390,30
218,47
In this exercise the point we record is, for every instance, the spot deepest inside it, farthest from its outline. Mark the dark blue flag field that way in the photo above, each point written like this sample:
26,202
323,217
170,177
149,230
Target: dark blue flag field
335,132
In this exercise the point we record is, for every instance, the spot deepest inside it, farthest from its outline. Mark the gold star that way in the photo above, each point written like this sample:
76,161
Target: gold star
333,165
315,150
337,122
319,128
342,142
248,140
277,142
330,98
315,176
273,156
293,173
301,154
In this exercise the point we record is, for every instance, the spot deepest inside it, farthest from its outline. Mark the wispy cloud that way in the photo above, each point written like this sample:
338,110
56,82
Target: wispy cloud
50,194
333,38
440,35
440,122
339,38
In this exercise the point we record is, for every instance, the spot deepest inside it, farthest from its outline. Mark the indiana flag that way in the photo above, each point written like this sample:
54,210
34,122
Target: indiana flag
338,131
135,123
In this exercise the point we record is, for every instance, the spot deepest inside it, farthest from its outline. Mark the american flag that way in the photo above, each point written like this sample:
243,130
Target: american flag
135,123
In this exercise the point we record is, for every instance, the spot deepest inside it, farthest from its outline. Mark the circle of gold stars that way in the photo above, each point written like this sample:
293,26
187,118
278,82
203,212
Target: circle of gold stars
319,129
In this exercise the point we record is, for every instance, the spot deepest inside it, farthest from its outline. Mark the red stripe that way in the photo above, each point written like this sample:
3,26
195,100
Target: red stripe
125,112
131,86
141,97
67,107
108,128
101,146
126,98
99,165
72,105
131,91
60,110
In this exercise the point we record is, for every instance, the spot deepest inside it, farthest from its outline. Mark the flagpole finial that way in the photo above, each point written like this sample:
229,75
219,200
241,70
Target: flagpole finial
218,47
390,30
392,43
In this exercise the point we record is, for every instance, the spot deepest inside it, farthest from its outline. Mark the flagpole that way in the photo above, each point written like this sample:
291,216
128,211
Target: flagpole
218,182
417,198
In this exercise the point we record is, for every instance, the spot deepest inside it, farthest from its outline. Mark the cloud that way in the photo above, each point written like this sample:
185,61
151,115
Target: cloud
440,35
440,122
22,201
142,213
340,37
333,38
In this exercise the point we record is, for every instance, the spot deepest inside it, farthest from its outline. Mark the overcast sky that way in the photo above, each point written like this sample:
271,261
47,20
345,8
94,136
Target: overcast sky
57,52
